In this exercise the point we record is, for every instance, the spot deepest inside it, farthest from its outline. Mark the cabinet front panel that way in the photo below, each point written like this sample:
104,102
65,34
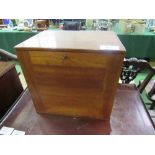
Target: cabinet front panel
67,59
72,84
70,90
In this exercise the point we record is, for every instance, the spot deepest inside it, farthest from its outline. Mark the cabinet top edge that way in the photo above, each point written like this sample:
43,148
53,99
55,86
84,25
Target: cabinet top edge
74,40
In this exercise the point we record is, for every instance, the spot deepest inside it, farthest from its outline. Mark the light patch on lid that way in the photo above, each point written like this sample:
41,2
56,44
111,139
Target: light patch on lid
109,47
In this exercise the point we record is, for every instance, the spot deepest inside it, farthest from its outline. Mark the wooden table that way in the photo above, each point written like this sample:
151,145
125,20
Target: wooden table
128,117
10,86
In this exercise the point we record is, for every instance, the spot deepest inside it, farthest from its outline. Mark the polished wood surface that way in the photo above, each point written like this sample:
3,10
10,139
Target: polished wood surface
72,81
10,86
85,41
129,117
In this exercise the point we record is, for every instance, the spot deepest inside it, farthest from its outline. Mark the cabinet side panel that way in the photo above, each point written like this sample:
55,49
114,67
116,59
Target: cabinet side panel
114,66
27,69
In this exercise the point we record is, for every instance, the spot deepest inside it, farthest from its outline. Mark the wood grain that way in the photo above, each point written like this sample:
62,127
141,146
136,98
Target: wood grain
73,41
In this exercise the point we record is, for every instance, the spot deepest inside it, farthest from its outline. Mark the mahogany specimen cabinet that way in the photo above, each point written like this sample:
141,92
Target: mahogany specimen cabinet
73,73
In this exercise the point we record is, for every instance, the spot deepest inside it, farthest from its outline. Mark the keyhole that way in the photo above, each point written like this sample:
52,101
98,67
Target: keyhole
65,57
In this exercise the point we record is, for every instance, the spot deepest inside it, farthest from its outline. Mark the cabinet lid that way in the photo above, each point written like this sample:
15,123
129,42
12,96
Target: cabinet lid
89,41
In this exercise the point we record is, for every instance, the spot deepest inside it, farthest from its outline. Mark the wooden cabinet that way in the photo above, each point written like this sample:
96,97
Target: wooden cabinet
73,73
10,86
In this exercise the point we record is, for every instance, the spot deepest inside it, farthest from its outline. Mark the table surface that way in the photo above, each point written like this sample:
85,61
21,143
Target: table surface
129,117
